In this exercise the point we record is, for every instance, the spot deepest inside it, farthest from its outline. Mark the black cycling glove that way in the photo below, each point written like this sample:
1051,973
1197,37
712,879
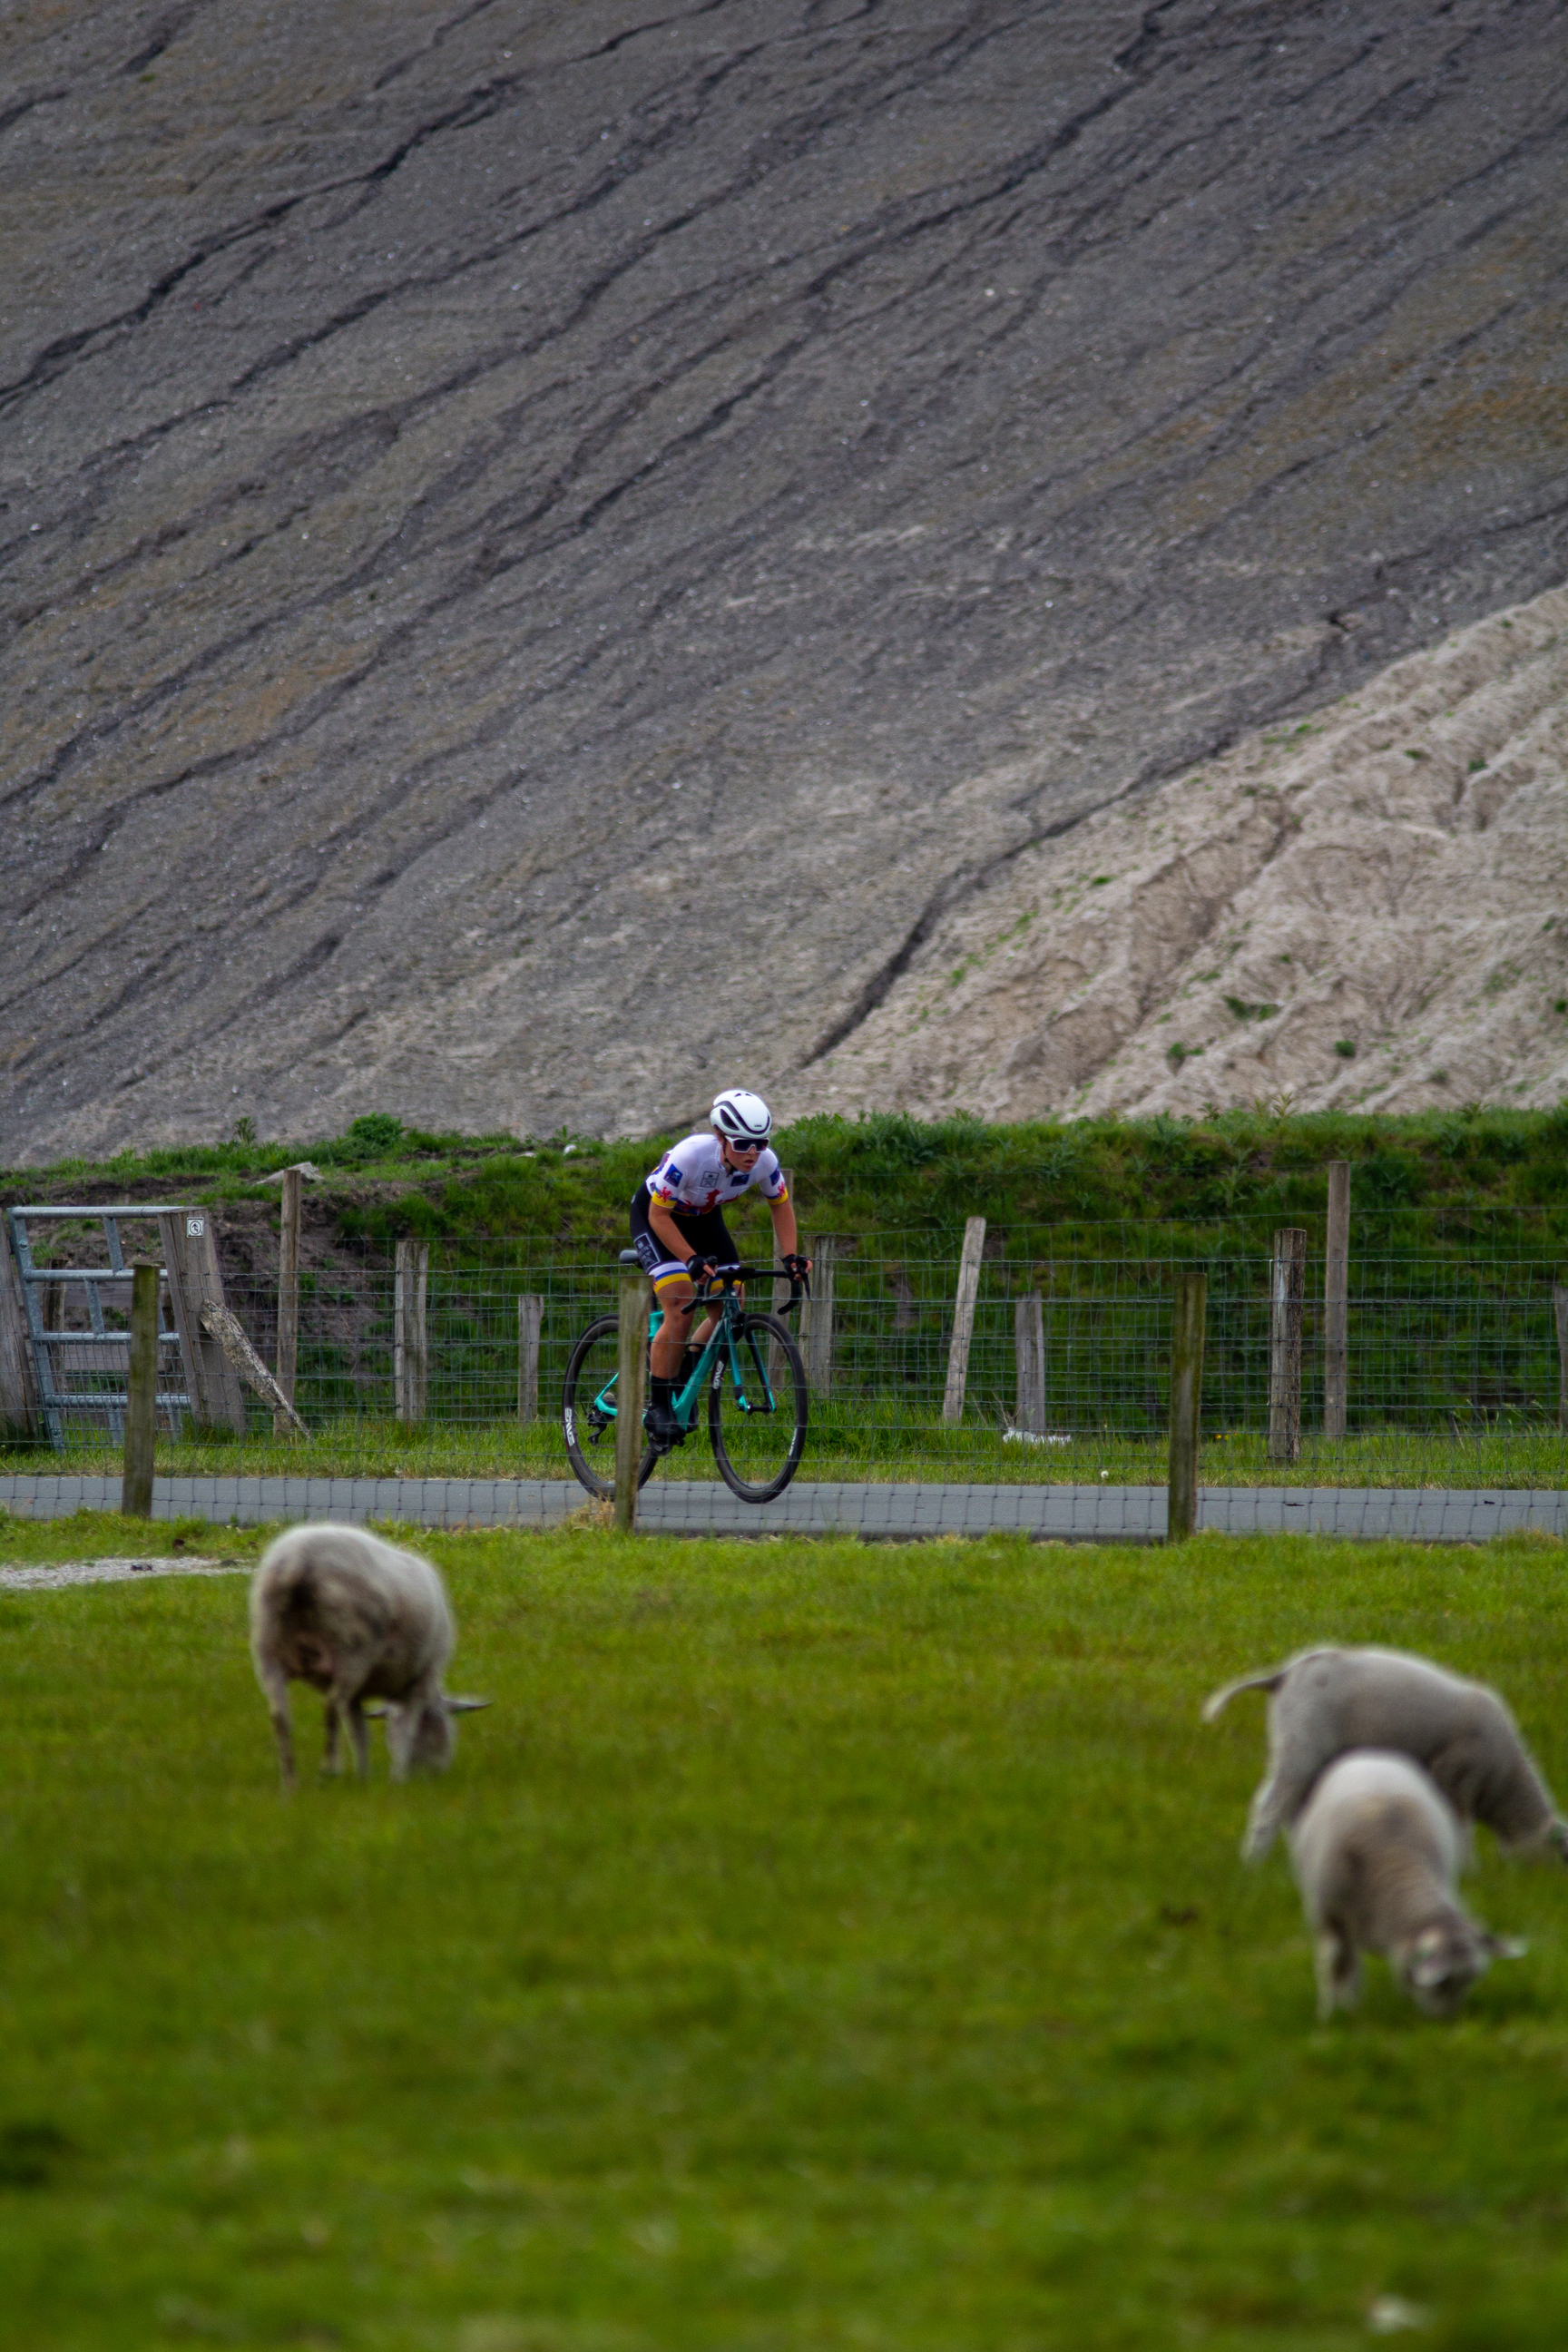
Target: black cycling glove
796,1265
699,1268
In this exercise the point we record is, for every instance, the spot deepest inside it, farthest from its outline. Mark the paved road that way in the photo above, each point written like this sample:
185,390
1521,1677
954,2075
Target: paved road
875,1513
516,516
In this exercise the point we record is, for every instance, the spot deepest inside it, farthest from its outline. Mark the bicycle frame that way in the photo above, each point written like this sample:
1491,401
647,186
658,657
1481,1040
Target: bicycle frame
723,1339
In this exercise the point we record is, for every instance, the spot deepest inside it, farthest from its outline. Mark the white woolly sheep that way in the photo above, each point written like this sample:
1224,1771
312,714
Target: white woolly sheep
1376,1851
356,1619
1325,1702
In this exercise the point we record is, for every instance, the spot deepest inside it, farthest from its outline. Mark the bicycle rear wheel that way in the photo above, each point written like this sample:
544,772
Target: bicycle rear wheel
588,1409
757,1434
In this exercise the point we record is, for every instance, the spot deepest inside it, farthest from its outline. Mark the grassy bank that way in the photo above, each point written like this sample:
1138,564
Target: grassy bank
815,1946
860,1447
884,1171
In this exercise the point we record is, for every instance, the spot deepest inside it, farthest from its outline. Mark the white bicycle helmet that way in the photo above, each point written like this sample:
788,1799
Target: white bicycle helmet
744,1118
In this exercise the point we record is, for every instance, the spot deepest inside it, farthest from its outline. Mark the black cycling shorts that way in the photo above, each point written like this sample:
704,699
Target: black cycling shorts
705,1228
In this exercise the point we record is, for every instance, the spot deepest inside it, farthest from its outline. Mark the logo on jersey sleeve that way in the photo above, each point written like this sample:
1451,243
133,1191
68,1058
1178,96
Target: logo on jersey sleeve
665,1182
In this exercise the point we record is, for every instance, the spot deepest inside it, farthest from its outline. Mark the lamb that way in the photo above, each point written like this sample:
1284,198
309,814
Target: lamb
1327,1701
356,1619
1376,1851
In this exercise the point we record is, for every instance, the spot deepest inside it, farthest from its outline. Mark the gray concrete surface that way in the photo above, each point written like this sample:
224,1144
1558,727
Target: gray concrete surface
55,1575
545,545
874,1513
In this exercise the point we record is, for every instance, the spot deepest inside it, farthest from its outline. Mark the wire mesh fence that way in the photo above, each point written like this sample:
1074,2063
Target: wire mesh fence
1456,1363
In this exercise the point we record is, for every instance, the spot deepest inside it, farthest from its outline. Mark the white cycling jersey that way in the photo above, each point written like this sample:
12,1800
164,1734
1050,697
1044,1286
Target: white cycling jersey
693,1176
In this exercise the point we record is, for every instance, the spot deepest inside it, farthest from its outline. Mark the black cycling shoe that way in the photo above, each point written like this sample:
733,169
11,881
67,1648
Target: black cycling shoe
663,1427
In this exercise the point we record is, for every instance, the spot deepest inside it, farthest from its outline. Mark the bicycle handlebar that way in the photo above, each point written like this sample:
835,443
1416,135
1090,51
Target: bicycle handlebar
725,1277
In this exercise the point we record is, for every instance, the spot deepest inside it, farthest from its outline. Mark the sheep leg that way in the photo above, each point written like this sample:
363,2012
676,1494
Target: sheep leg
354,1714
275,1690
1338,1971
1298,1752
1263,1818
400,1729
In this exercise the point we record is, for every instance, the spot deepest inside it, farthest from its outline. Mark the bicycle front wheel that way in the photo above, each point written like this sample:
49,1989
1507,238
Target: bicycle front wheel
588,1409
757,1422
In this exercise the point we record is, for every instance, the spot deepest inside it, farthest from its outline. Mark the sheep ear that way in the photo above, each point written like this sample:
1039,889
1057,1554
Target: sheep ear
465,1706
1506,1947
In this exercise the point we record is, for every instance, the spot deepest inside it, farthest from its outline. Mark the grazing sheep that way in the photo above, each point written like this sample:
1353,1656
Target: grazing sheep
356,1619
1325,1702
1376,1851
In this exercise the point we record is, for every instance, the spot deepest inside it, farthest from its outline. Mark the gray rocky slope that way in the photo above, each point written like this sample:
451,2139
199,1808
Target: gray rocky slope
550,552
1366,908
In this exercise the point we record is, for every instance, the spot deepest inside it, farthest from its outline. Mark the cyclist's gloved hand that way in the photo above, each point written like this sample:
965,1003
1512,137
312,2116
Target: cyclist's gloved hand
796,1265
699,1267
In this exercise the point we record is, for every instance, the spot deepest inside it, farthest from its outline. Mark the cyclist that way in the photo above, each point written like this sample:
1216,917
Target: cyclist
679,1234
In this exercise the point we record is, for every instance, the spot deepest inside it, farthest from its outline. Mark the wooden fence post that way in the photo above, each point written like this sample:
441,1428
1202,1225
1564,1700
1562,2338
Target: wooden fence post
631,1392
1029,1344
1559,1308
1287,1291
141,1395
195,1284
816,1313
779,1301
1336,1299
781,1287
964,1318
19,1385
529,1324
410,1357
287,1294
1187,1395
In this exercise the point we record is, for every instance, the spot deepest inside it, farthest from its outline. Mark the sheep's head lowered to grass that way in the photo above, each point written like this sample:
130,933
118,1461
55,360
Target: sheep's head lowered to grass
422,1737
358,1620
1377,1850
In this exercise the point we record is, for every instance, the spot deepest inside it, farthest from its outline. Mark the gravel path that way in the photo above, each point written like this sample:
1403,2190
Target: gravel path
46,1576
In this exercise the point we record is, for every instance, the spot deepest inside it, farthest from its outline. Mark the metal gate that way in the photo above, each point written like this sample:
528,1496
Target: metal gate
80,1361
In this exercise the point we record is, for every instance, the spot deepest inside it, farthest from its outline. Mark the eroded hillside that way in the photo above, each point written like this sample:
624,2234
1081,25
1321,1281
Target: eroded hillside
1366,908
553,551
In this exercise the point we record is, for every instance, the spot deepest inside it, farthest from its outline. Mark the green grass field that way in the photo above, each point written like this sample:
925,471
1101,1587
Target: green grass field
861,1446
815,1947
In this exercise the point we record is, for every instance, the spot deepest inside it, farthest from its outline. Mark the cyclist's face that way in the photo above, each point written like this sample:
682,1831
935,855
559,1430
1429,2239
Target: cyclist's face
738,1155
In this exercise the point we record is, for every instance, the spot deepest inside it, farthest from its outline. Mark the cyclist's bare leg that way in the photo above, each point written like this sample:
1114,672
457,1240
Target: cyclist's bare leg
675,1333
710,1323
670,1339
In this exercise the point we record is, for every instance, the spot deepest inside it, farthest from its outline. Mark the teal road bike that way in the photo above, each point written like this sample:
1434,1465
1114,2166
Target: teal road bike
749,1369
